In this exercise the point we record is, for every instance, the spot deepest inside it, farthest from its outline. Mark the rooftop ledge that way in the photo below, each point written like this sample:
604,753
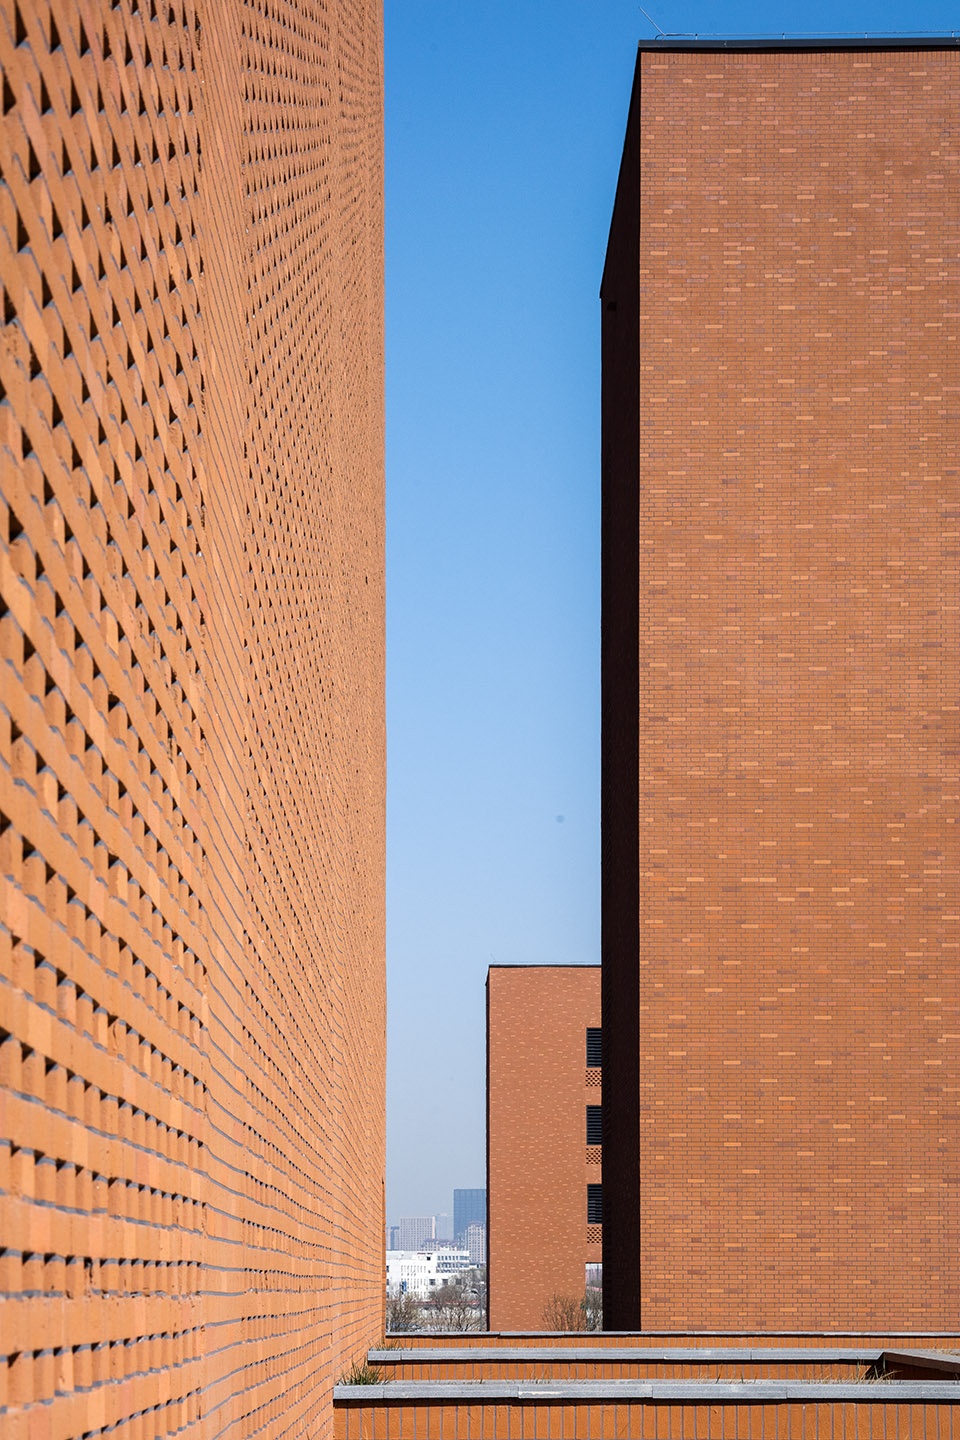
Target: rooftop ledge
942,1360
618,1392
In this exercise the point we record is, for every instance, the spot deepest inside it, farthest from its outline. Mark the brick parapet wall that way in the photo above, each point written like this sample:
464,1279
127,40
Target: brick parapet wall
713,1412
191,781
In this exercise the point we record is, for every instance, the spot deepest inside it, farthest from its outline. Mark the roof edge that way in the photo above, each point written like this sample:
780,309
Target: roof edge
808,43
544,965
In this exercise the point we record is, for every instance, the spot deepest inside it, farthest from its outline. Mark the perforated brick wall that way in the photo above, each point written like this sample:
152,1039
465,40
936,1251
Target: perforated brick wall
191,713
798,896
538,1162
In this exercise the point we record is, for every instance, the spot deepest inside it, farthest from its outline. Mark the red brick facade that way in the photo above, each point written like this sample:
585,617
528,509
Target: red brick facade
191,713
538,1162
782,986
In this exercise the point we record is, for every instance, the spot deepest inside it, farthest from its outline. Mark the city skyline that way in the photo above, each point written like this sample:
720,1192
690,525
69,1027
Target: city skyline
437,1214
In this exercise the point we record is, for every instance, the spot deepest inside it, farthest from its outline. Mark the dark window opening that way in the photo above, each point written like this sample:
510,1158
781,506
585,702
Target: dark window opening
594,1204
594,1047
594,1125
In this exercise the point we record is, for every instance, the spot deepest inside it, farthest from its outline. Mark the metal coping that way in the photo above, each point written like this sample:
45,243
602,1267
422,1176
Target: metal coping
544,965
616,1392
812,44
614,1355
943,1360
467,1338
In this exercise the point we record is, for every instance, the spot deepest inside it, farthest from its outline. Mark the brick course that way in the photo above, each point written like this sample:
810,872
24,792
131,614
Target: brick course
796,247
191,713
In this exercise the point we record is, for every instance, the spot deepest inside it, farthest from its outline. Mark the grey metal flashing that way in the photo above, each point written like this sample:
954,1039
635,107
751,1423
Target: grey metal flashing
809,44
616,1392
617,1355
543,965
923,1359
464,1341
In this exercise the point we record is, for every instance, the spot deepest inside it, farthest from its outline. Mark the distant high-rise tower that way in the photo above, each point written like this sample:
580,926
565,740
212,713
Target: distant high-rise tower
469,1208
444,1227
781,675
476,1243
415,1231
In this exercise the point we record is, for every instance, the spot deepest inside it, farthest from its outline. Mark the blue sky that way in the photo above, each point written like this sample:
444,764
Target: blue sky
504,124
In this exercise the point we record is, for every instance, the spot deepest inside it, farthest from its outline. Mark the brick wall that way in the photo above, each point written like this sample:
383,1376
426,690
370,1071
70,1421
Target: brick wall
798,896
191,786
538,1162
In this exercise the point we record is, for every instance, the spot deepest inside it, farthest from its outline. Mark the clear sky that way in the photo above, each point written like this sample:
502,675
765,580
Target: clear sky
504,125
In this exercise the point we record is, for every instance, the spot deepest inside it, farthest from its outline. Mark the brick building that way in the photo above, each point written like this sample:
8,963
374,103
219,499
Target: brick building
781,907
543,1143
191,713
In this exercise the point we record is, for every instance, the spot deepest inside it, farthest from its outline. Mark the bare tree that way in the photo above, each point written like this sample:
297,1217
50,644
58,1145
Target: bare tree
457,1305
570,1313
592,1303
564,1312
478,1281
403,1313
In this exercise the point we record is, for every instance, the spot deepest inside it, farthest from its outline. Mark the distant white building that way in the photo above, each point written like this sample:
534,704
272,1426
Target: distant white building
451,1259
476,1243
420,1272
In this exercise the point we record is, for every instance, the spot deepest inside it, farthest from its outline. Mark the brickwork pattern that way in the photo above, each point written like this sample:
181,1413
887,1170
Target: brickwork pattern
540,1365
380,1415
538,1162
799,892
191,720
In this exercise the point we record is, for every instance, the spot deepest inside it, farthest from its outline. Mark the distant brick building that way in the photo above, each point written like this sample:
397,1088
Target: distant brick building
543,1138
191,713
781,899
